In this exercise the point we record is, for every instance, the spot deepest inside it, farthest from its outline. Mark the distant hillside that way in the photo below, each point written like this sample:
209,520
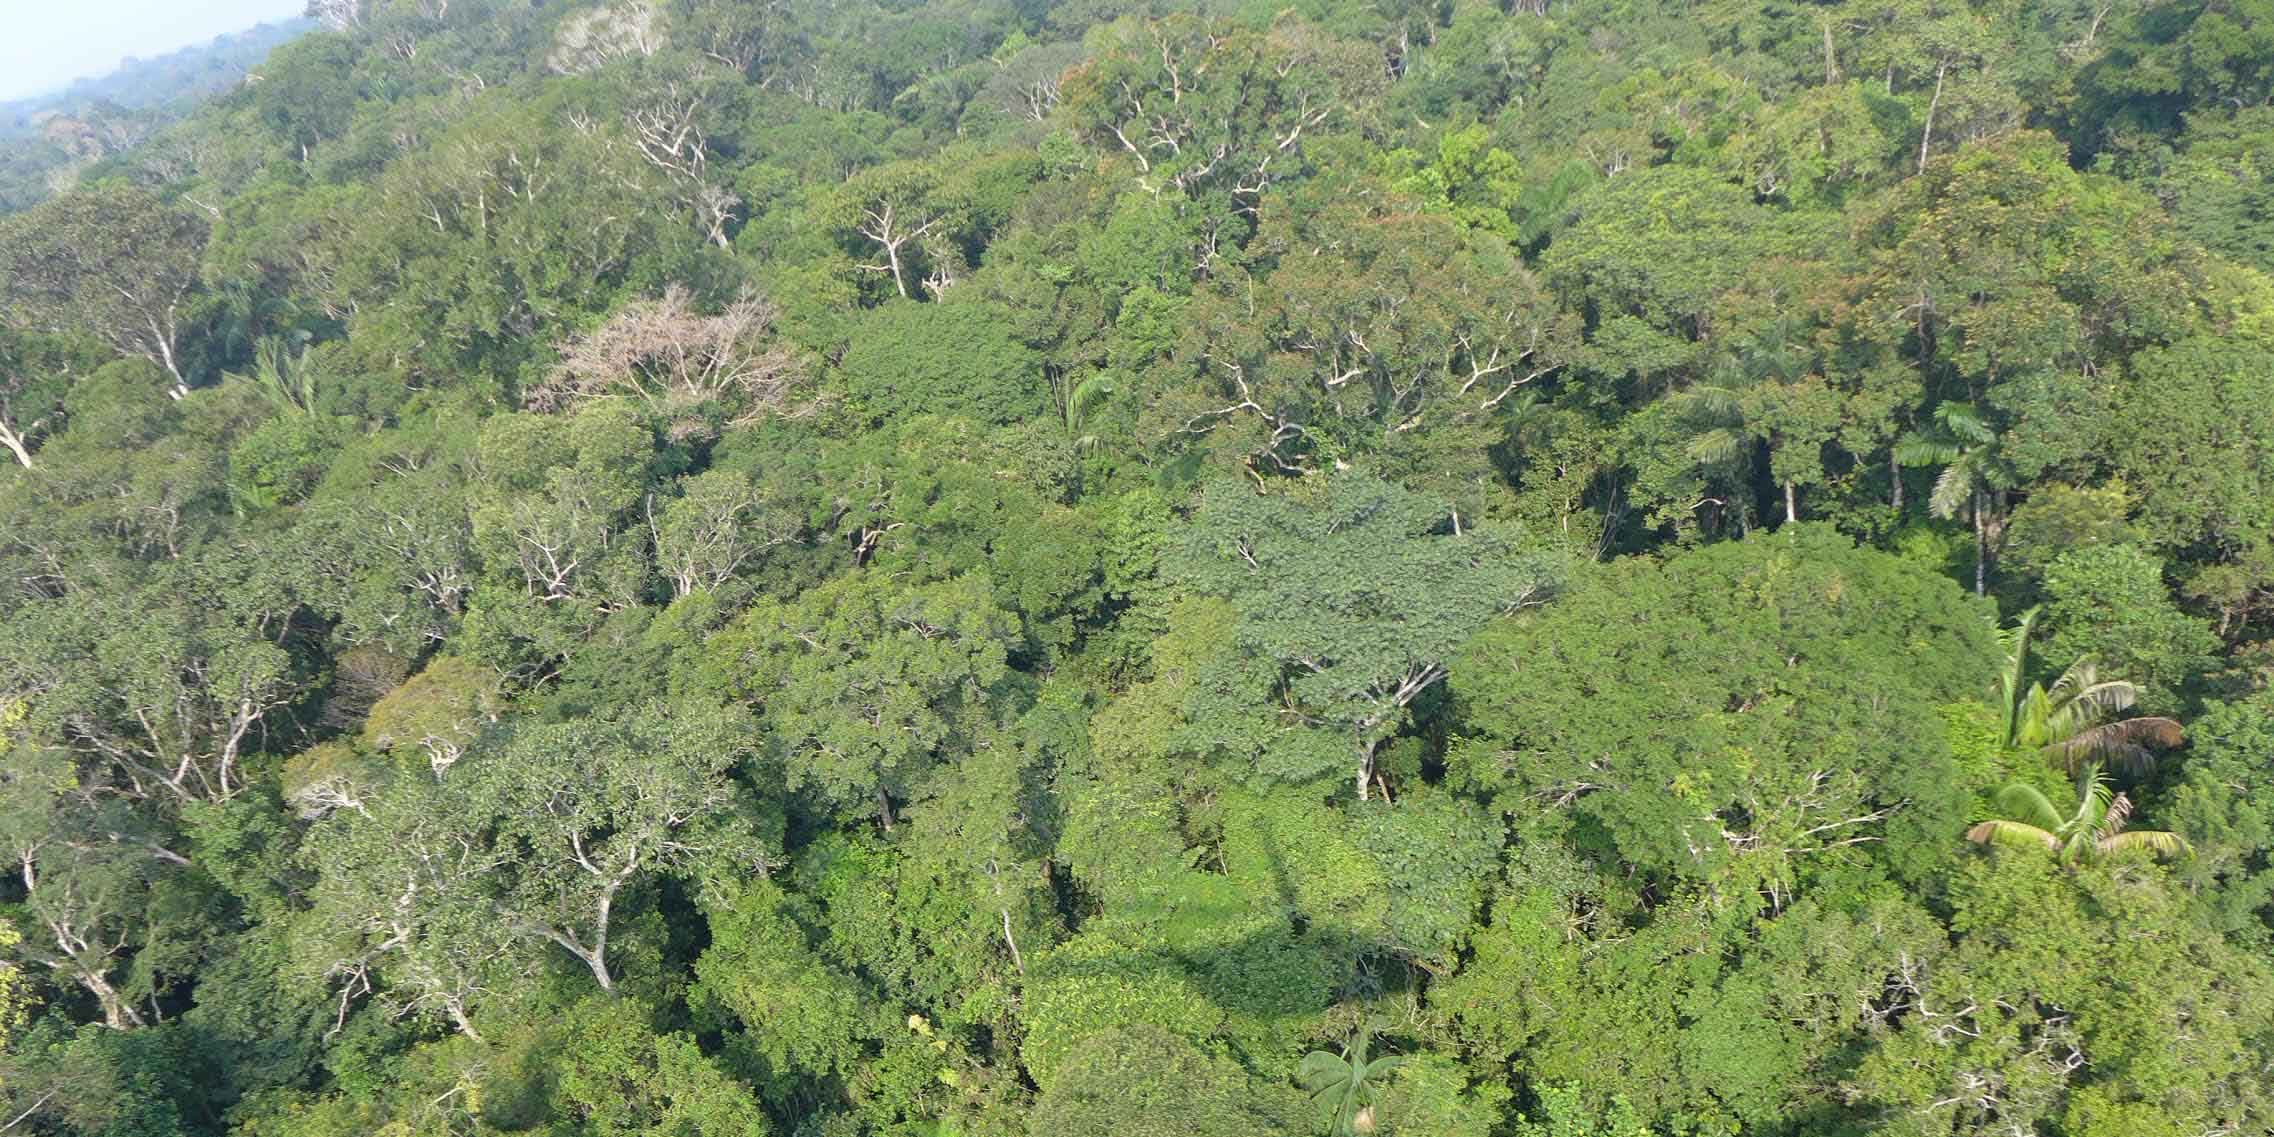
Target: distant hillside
46,139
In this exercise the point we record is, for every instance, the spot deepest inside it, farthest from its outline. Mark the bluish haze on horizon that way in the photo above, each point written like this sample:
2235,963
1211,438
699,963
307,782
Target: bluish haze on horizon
50,44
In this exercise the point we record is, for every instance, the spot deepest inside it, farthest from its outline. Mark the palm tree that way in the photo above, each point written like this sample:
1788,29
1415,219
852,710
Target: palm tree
2094,830
1738,412
1960,443
282,376
1344,1086
1077,404
2069,723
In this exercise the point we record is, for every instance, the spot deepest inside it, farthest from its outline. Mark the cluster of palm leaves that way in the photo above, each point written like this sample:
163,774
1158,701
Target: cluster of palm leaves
2094,829
1961,442
1344,1085
282,375
2072,724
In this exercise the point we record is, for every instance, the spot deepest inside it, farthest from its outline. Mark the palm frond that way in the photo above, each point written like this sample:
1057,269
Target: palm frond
1383,1065
1923,450
2013,644
2071,710
1951,489
2032,724
2097,802
282,376
1086,397
2151,841
2013,835
1320,1072
1714,447
1707,401
1965,423
2082,685
2119,812
2029,803
2123,744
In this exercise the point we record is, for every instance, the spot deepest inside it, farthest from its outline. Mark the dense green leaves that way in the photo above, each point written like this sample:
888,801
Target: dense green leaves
980,568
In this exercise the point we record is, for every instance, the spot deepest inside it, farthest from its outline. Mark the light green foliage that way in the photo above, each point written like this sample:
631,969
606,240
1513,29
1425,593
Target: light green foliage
1250,92
797,1012
12,993
2049,964
111,261
1816,147
1318,574
942,498
2060,518
867,685
1396,322
2216,807
1691,709
554,521
1566,1115
1578,1009
587,810
1145,1082
403,907
2061,269
952,359
618,1076
164,677
434,715
2110,605
1432,1094
2198,474
1093,984
705,567
1651,252
1210,701
512,221
1475,181
388,534
1435,853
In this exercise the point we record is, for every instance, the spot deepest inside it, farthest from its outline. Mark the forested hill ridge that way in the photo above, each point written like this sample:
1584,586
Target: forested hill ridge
981,568
48,140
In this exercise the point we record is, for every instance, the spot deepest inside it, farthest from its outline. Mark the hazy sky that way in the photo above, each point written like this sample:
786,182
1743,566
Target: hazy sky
45,44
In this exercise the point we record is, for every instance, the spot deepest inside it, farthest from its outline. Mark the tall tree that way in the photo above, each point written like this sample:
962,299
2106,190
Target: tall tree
112,261
869,685
586,809
1961,445
1322,572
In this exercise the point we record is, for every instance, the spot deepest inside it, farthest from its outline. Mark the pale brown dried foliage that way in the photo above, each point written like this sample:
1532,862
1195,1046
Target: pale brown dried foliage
664,352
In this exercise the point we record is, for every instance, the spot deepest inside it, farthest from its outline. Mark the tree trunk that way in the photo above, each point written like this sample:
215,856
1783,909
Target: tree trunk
1791,504
1365,770
117,1013
1011,941
595,958
598,959
884,809
15,444
1981,550
457,1012
1927,136
1895,479
163,338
